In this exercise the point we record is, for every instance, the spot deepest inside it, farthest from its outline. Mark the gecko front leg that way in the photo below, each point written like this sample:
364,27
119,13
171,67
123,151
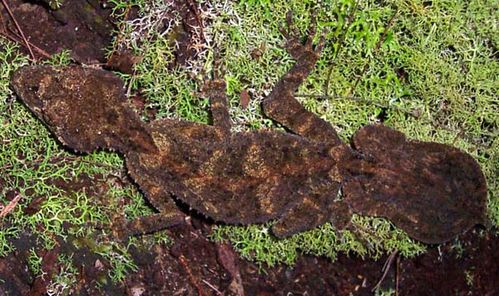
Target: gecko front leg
281,105
215,90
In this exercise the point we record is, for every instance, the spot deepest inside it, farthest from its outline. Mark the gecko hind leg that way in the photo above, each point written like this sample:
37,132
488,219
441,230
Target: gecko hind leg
315,208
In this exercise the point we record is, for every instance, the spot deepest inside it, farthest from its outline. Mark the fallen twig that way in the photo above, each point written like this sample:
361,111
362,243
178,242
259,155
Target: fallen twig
19,29
385,269
415,114
191,276
397,276
17,39
212,287
12,204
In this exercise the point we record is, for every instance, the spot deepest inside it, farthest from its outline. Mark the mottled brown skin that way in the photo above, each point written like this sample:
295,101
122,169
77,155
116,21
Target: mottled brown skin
433,191
85,108
242,178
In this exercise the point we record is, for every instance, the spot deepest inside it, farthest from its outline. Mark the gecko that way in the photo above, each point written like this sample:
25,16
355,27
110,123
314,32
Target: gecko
300,178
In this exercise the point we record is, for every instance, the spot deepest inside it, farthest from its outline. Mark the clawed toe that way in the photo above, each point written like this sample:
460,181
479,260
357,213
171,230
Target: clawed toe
294,45
214,83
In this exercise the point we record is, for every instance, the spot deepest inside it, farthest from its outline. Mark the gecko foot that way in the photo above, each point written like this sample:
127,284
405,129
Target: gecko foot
294,44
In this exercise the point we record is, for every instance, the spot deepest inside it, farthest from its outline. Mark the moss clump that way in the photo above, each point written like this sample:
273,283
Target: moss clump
429,70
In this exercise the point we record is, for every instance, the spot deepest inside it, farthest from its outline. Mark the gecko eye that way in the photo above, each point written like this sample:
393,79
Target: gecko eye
34,88
112,117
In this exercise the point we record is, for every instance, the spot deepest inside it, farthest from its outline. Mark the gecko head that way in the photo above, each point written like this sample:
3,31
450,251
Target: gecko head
26,83
433,191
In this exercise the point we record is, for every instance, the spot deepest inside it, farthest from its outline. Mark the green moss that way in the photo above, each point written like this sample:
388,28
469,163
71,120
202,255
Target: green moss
54,4
66,277
431,71
62,58
370,237
34,262
120,260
